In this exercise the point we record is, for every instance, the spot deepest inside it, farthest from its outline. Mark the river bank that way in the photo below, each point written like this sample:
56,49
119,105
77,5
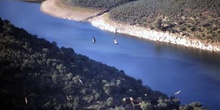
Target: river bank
55,8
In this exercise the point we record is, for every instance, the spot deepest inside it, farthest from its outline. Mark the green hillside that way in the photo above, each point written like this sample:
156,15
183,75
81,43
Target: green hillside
36,74
101,4
197,18
192,18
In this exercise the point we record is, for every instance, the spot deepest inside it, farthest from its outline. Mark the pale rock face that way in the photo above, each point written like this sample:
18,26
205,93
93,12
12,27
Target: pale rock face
142,32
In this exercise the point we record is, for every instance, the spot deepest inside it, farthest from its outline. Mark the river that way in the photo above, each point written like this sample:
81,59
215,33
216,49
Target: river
161,66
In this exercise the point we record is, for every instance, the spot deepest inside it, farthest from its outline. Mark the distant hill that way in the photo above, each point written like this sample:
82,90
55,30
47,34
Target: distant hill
192,18
197,18
101,4
36,74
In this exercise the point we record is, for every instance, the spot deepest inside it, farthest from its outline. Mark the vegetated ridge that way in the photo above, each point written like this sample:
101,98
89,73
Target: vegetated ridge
98,4
197,18
194,19
36,74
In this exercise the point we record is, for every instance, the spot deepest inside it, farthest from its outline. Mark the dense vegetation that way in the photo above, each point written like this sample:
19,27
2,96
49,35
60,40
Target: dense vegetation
101,4
36,74
193,18
199,18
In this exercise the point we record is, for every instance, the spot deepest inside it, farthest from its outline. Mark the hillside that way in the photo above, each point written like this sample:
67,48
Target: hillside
36,74
100,4
197,18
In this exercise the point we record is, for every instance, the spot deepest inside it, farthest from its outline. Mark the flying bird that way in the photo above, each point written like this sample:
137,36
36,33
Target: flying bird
115,41
93,40
176,93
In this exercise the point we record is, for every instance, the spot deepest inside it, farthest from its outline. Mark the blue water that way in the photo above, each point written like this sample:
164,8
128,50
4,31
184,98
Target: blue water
161,66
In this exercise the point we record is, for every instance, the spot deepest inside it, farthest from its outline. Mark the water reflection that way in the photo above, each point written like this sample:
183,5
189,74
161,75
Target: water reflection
201,55
208,62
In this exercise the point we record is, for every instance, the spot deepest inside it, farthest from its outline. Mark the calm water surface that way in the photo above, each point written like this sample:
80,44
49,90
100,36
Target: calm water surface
164,67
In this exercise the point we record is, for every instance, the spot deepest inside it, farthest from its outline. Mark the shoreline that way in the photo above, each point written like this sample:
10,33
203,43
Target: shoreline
57,9
54,8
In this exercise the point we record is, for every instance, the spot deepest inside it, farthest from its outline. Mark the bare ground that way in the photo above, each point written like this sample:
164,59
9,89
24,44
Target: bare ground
56,8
